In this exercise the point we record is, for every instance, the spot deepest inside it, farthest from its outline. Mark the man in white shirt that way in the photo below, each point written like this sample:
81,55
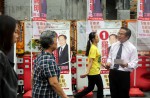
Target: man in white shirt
122,59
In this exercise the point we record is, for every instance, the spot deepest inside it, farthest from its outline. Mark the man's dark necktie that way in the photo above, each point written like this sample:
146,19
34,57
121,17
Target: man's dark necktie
116,66
60,52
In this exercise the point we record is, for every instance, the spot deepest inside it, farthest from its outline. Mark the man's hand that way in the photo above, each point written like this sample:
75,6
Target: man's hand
106,65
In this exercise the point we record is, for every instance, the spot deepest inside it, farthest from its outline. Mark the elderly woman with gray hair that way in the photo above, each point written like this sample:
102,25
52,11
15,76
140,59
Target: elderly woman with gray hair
46,72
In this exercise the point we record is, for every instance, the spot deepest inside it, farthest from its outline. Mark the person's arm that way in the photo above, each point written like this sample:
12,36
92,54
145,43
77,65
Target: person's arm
55,85
51,75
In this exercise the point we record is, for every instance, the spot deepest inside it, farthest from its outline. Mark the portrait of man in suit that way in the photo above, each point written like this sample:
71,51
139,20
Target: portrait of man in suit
62,50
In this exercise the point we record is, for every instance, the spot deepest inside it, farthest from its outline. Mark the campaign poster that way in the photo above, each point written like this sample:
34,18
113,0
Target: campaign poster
143,12
62,53
94,10
107,38
31,45
39,10
143,29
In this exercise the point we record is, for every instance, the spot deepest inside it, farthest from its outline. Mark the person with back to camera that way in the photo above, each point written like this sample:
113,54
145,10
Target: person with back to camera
45,83
93,69
8,77
122,60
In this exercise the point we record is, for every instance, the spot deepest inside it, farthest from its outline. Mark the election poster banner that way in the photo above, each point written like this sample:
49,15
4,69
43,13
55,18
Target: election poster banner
39,13
107,38
62,53
39,10
94,10
143,14
143,11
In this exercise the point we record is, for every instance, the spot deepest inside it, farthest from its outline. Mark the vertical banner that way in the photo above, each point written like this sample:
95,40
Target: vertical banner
39,13
143,10
143,18
62,53
39,10
94,10
94,16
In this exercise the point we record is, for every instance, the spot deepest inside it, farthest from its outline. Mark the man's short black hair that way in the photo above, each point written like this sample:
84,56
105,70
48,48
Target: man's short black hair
128,31
63,36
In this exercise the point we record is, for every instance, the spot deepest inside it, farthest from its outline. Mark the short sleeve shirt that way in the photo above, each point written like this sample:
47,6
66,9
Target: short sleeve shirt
44,68
94,54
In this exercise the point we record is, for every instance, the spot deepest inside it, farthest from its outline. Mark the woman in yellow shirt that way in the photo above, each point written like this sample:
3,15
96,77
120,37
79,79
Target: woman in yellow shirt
93,69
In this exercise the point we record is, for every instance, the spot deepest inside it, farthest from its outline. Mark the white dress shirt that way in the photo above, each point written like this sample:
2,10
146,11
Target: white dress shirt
129,55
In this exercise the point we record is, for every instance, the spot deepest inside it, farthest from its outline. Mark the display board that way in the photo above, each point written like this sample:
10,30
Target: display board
63,60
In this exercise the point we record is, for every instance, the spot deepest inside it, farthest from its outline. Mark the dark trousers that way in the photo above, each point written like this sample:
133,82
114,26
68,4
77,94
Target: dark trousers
119,84
92,80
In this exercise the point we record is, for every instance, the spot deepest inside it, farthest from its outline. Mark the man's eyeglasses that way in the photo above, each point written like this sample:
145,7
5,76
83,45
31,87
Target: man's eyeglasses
121,33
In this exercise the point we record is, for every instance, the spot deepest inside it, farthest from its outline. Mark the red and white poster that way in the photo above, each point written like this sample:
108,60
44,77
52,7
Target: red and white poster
103,46
39,10
39,13
143,11
94,10
143,18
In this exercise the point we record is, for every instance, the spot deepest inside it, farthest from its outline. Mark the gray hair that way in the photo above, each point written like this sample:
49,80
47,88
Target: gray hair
47,38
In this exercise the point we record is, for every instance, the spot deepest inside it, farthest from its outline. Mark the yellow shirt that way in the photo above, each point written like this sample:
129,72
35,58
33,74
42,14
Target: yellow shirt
95,54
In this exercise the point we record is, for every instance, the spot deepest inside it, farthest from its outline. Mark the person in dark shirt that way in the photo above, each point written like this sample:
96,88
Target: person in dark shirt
8,77
45,82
